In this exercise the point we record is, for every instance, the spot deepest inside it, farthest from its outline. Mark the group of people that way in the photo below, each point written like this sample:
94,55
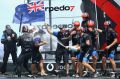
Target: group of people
84,39
30,41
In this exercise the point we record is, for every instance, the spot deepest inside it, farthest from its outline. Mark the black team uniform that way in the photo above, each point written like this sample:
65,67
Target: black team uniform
9,40
61,51
75,39
36,56
86,52
110,35
85,49
26,43
93,35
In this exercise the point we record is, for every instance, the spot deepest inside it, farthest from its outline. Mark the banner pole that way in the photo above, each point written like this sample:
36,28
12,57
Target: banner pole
50,22
20,23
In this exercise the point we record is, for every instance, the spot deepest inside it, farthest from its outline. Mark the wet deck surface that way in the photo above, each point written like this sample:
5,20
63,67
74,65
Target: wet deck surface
11,76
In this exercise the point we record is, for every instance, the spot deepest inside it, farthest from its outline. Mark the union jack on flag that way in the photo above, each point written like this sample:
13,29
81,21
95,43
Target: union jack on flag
36,6
32,12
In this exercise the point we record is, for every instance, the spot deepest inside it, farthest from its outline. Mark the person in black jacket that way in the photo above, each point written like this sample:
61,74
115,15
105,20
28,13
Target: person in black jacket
61,51
74,35
9,39
26,43
111,45
94,35
84,47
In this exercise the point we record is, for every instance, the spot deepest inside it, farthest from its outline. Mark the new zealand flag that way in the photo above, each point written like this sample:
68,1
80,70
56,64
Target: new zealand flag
28,13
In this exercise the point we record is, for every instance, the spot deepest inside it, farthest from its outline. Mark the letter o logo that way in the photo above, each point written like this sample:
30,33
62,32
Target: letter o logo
61,67
50,67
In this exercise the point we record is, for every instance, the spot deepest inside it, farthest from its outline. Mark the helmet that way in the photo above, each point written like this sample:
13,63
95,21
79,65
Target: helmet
85,15
107,23
91,23
76,24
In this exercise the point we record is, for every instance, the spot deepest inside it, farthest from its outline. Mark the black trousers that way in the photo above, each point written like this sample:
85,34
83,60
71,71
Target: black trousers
61,53
23,61
5,59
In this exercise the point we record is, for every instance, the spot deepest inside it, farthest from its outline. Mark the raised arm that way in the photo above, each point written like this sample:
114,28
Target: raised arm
48,29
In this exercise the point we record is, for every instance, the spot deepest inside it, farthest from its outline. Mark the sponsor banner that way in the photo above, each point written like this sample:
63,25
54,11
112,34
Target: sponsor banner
49,67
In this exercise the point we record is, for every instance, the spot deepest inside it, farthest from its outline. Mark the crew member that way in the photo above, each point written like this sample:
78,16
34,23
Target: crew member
9,40
74,35
63,37
26,43
111,45
36,55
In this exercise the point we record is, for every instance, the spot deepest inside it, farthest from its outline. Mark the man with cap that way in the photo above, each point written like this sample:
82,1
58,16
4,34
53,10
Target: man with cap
84,45
111,45
93,34
9,39
63,37
74,34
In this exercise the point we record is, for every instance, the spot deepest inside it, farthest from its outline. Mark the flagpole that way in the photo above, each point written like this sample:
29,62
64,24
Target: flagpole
28,1
21,21
50,22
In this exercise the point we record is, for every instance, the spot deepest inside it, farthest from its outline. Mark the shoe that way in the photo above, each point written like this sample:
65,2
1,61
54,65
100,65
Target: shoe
96,74
112,74
85,73
77,76
43,74
104,73
56,72
73,75
30,76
